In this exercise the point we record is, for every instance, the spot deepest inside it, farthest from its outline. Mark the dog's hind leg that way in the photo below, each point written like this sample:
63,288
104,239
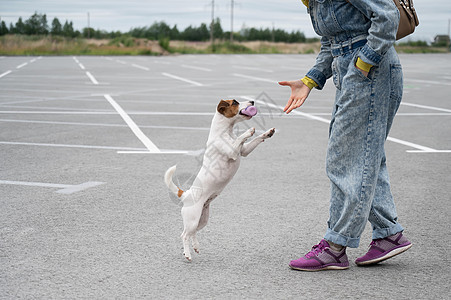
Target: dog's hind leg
202,222
191,216
204,217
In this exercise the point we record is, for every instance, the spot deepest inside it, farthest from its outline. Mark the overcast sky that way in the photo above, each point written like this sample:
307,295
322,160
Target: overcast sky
125,14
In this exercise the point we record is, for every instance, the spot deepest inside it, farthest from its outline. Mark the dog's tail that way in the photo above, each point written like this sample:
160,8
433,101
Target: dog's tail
170,183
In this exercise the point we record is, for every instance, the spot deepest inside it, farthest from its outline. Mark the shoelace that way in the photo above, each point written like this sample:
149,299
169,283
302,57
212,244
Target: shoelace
316,250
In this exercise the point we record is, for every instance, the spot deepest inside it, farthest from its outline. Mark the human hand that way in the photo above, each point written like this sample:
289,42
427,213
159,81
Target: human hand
365,73
299,92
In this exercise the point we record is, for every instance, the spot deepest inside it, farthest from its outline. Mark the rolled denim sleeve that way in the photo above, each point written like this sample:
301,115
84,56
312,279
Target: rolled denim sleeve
384,18
322,70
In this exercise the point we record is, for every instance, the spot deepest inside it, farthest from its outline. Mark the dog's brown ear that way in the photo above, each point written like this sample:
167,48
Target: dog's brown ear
222,106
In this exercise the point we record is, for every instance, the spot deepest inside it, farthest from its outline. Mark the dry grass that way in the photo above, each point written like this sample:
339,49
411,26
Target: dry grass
55,45
125,45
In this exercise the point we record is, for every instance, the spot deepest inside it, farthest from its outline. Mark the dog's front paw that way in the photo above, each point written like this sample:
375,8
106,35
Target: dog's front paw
269,133
250,132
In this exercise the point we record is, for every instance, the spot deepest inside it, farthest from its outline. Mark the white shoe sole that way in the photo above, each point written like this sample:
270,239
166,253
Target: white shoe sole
385,257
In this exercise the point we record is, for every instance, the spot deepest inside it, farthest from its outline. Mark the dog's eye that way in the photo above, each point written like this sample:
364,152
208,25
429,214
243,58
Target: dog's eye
235,102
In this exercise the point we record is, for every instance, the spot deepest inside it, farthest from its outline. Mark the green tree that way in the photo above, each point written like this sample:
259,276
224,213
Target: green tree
91,33
57,28
36,24
218,33
19,28
68,29
3,28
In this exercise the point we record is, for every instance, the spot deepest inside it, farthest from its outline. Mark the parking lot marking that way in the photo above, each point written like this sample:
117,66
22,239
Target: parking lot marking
22,65
254,78
104,124
161,152
140,67
419,147
63,188
435,151
139,134
428,81
253,69
144,113
425,106
6,73
182,79
94,81
196,68
71,146
422,149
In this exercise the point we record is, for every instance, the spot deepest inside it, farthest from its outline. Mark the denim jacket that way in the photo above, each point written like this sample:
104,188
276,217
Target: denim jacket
342,23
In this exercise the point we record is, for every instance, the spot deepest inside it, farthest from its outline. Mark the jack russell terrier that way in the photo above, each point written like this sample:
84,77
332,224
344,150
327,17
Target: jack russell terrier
220,163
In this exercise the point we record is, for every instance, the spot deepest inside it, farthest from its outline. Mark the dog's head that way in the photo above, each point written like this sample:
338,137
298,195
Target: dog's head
232,109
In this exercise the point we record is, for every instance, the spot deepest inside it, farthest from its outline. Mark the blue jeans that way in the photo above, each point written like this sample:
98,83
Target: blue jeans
363,113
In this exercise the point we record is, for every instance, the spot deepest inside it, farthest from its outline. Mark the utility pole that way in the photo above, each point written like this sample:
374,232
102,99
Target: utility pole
212,22
449,36
231,22
89,27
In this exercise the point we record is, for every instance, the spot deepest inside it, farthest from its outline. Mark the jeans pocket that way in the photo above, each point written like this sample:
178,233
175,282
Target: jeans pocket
353,68
396,82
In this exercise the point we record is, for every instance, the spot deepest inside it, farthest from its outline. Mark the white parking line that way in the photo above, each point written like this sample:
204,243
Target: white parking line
182,79
6,73
427,81
119,149
94,81
143,113
420,148
254,78
196,68
22,65
71,146
253,69
140,67
432,151
103,124
425,106
63,188
139,134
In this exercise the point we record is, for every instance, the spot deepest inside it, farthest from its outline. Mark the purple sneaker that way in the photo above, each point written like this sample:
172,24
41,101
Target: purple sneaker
382,249
321,257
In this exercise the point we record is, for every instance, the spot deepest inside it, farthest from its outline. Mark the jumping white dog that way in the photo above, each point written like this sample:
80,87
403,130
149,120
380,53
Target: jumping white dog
220,163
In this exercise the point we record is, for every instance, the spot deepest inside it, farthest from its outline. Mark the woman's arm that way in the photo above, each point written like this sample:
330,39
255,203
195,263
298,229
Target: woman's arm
322,70
384,18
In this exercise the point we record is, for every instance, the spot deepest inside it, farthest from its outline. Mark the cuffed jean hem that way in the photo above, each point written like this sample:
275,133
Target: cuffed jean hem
339,239
381,233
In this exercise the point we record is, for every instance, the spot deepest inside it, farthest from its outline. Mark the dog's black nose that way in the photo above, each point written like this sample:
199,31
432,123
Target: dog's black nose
252,102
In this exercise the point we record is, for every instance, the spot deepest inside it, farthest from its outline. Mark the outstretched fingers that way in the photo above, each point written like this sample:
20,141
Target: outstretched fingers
293,104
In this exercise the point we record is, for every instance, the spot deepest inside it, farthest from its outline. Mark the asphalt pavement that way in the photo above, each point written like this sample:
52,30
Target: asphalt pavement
84,212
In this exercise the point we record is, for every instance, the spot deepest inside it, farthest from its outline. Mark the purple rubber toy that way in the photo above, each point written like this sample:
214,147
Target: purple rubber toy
249,111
